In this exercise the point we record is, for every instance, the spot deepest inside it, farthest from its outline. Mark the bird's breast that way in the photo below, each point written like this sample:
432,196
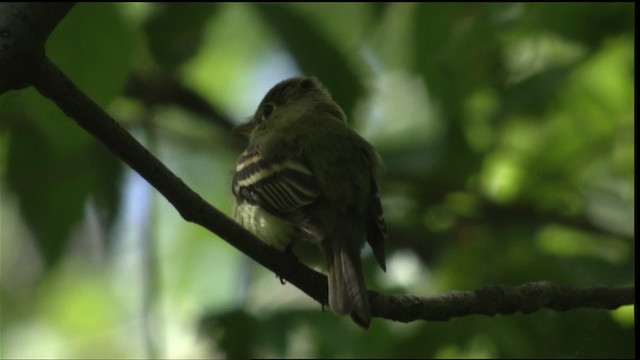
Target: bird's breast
270,229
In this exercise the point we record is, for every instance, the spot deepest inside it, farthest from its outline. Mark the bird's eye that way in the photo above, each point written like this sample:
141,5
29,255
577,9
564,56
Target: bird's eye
267,110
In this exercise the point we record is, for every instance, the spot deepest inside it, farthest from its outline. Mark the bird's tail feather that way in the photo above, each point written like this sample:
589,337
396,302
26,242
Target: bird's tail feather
347,291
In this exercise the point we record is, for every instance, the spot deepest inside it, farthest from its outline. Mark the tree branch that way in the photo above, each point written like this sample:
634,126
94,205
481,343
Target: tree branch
24,28
526,298
53,84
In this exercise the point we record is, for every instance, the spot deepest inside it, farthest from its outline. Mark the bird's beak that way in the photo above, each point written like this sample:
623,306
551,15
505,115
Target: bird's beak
244,129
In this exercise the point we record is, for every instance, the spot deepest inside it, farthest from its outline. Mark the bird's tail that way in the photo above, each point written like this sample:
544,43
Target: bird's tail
347,291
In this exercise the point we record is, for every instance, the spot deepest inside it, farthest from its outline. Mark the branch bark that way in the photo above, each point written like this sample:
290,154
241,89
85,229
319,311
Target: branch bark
526,298
53,84
24,28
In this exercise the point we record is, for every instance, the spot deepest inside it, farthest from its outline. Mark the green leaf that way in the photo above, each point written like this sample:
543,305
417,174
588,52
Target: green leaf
457,50
53,183
94,46
314,52
53,166
534,95
587,23
235,333
175,32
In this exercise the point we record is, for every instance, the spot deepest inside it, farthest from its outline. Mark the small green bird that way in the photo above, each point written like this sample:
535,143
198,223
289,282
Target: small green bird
306,176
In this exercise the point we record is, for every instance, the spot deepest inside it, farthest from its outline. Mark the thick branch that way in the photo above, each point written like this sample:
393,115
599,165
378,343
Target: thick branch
24,28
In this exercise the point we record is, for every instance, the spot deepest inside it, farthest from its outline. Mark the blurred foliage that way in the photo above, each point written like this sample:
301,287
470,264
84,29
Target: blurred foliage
507,130
51,162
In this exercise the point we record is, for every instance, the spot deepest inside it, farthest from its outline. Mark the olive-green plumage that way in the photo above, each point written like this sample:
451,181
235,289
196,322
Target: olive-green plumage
306,175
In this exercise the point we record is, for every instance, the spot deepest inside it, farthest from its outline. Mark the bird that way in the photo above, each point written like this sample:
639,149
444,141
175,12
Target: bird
307,178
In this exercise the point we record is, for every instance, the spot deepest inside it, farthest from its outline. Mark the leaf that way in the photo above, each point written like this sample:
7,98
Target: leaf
457,50
175,32
314,53
53,185
587,23
53,166
535,94
94,47
234,332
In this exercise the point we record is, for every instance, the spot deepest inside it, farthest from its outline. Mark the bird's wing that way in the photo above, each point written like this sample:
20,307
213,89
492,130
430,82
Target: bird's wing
376,227
283,187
